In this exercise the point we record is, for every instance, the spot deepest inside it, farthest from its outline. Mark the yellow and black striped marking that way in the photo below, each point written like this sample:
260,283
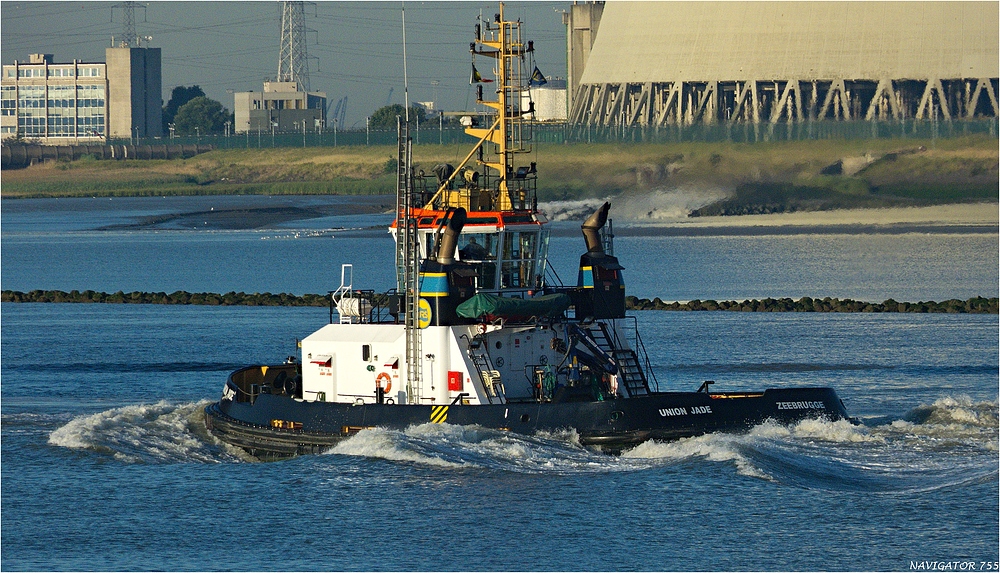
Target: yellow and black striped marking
439,414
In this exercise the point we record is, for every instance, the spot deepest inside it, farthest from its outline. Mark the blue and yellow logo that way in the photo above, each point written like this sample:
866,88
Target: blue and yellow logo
424,313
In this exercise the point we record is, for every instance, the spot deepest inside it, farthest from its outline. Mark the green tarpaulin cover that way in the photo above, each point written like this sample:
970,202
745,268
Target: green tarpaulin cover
484,304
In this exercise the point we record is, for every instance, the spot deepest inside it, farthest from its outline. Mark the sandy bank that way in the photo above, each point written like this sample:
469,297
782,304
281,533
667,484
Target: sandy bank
977,214
957,218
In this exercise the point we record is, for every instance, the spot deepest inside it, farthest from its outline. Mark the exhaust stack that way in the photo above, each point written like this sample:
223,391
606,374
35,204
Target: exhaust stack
592,227
449,240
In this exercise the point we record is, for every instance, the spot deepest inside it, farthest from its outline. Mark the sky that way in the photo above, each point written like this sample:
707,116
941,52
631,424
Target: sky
355,48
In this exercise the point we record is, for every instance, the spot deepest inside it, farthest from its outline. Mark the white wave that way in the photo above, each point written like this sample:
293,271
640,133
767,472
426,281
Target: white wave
389,445
840,456
161,432
665,204
655,205
950,422
712,447
452,446
841,431
957,410
575,210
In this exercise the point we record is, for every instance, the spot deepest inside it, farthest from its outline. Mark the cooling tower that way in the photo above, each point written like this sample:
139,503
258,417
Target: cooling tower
658,63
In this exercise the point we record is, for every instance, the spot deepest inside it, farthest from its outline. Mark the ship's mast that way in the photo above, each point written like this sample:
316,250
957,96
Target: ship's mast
408,246
510,131
501,40
408,260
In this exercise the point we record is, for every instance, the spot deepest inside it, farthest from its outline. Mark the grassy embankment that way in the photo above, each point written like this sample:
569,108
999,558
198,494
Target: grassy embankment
760,177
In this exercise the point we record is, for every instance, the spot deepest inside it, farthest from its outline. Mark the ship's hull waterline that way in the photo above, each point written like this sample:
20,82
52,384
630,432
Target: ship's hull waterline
278,426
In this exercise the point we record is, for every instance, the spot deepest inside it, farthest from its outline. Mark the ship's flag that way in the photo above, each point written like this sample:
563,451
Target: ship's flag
537,79
476,78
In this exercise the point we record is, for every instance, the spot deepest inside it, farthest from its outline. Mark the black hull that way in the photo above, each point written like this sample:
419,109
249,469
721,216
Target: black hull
277,426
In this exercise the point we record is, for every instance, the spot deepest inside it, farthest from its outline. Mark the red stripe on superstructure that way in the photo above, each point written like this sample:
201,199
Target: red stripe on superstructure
474,218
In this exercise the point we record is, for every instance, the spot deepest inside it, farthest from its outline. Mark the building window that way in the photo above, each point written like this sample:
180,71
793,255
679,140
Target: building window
90,125
31,72
61,97
90,97
8,100
60,126
31,126
31,97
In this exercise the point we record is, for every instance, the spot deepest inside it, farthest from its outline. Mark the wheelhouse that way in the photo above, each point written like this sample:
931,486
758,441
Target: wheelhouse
508,249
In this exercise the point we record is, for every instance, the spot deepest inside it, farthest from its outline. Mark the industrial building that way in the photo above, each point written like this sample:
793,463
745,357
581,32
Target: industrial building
286,104
549,100
281,107
682,63
80,102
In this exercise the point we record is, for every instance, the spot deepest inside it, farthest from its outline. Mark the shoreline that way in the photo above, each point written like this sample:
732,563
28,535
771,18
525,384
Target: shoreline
948,215
251,212
969,218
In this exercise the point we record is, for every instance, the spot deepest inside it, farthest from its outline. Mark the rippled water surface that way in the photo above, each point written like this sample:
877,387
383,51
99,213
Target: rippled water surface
107,466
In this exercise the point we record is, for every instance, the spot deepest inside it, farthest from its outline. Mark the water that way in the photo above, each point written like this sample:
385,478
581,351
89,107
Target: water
47,245
107,466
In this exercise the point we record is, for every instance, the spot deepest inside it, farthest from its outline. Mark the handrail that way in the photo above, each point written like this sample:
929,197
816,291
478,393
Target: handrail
641,350
446,182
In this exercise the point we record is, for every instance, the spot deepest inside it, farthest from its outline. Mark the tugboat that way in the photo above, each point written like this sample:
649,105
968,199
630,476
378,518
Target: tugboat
475,332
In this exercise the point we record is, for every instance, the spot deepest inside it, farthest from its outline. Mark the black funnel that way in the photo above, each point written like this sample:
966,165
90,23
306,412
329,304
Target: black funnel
446,248
592,227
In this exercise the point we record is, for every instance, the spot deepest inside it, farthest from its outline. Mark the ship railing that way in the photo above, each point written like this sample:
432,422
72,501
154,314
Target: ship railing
351,306
522,188
365,306
552,278
250,382
387,307
630,325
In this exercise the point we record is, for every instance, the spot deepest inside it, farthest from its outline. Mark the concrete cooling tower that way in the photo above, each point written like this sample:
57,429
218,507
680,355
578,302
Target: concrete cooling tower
660,63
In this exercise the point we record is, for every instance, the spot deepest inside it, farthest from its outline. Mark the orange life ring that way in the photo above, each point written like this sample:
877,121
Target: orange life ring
388,382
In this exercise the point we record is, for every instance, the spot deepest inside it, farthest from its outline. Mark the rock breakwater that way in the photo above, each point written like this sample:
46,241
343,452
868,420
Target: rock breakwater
976,305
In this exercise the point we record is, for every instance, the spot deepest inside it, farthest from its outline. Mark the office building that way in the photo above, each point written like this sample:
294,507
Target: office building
79,102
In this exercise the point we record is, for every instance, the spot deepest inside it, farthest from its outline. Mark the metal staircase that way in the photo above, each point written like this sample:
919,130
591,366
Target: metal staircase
604,344
489,375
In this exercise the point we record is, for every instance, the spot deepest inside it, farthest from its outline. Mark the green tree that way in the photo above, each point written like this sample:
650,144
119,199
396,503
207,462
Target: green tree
178,97
385,117
203,113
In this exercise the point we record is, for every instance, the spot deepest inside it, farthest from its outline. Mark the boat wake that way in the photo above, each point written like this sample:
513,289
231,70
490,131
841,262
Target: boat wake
157,433
950,443
470,447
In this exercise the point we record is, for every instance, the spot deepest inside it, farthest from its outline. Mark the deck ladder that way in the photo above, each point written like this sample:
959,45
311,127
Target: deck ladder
630,373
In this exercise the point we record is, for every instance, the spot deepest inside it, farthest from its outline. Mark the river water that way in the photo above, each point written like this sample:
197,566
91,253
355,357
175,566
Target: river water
107,466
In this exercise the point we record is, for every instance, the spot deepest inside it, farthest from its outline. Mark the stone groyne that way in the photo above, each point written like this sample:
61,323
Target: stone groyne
977,305
178,297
